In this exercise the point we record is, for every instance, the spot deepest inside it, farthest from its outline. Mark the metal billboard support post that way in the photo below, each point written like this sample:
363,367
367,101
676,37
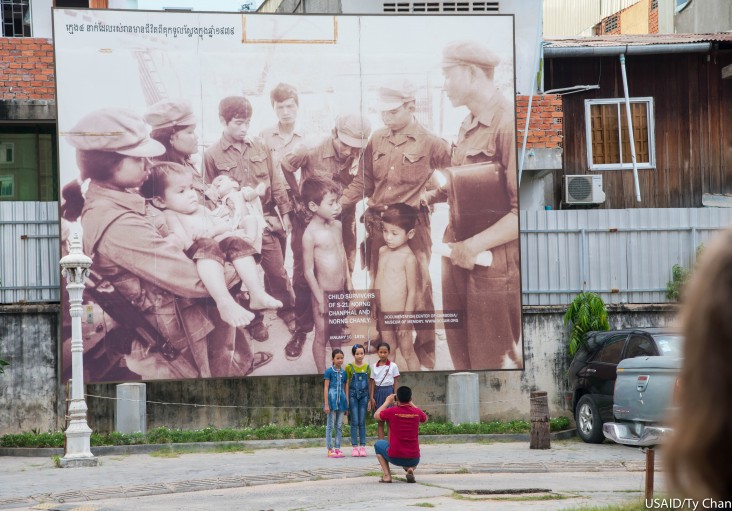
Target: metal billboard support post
75,268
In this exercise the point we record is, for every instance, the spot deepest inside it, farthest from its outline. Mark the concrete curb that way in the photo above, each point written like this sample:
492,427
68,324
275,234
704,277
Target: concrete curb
111,450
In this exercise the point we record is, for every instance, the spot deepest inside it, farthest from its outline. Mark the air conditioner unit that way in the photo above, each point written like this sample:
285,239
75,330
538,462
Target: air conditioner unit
583,189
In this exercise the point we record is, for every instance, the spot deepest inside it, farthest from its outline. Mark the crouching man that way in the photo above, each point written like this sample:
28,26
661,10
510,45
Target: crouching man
402,448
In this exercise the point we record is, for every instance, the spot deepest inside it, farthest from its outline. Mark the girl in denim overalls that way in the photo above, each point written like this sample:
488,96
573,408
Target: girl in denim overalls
336,403
357,389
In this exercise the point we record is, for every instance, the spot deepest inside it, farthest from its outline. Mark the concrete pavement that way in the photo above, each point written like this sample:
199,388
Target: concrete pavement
465,476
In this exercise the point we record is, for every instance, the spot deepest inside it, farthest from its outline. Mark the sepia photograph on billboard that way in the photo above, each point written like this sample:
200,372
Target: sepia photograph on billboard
256,191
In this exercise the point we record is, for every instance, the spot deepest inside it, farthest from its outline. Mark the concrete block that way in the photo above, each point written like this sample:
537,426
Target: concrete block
463,398
131,416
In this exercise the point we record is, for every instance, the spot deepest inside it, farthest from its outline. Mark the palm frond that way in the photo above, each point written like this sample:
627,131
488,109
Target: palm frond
586,313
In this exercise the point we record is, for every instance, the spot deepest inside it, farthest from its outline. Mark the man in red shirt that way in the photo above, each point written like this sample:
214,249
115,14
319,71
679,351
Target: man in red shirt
402,448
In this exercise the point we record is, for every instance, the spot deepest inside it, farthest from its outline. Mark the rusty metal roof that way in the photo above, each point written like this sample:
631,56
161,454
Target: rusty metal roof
636,40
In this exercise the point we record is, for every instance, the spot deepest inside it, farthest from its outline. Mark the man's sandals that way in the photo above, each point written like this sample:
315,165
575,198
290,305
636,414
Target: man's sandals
259,359
410,475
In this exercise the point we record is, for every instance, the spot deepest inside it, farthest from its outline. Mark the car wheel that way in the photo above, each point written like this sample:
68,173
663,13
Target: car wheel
589,424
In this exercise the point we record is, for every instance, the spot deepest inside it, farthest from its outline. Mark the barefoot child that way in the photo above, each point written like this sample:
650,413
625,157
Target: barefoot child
324,258
208,240
336,403
396,279
383,383
357,390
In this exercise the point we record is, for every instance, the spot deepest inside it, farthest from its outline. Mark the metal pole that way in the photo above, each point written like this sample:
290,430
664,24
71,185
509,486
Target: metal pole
537,54
75,268
630,130
650,469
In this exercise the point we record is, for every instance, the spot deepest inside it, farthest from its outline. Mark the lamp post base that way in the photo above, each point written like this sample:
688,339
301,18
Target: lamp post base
92,461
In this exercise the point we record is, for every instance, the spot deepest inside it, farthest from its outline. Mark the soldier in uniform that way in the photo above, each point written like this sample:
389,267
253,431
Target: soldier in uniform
158,284
336,158
398,164
249,162
283,137
489,296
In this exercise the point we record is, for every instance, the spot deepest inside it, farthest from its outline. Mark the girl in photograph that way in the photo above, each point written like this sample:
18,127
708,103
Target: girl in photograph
129,252
357,390
383,383
336,403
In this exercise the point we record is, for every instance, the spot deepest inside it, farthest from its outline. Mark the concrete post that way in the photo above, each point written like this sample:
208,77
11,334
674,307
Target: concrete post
75,268
463,398
131,416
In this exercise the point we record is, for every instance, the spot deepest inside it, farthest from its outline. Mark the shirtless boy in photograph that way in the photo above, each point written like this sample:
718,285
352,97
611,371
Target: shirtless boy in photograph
324,258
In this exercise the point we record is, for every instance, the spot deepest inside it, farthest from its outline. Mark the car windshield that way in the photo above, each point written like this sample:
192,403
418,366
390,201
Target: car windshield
669,344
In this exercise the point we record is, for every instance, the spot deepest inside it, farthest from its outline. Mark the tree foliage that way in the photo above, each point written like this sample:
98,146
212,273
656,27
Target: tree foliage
586,313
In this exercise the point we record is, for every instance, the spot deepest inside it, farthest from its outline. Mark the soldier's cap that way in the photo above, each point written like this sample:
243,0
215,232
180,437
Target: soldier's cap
168,113
394,95
353,130
463,53
115,130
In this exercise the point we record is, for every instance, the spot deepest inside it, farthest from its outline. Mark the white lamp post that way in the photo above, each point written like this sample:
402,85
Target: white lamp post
75,268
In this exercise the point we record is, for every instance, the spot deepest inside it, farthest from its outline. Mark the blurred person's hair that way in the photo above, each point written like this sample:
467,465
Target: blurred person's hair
698,454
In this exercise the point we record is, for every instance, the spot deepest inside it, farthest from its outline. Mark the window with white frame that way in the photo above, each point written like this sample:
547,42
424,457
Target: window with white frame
608,139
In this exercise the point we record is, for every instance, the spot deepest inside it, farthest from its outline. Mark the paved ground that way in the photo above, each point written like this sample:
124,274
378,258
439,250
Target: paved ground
568,475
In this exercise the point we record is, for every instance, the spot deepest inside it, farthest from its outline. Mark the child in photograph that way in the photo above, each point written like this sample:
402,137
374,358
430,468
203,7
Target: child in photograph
324,258
336,403
357,390
383,383
207,239
243,207
396,280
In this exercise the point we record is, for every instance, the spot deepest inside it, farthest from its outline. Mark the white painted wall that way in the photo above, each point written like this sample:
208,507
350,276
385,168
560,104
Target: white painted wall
41,18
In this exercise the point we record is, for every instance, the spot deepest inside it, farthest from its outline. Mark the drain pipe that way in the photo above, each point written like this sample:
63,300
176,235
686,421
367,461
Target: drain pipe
630,129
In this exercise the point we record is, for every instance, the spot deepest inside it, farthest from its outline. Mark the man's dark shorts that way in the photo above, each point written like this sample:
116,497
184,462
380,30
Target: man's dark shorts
382,446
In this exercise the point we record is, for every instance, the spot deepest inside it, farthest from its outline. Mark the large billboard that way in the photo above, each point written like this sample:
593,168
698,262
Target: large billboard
258,190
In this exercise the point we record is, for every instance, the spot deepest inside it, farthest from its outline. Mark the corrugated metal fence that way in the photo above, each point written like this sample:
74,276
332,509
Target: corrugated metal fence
624,255
570,18
29,252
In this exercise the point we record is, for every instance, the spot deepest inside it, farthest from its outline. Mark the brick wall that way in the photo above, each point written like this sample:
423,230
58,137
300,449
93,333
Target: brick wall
26,68
611,25
545,124
653,18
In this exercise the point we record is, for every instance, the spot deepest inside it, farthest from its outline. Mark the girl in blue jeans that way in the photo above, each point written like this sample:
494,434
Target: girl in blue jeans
357,390
336,403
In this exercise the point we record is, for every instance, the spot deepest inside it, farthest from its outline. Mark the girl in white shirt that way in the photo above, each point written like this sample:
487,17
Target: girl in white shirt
383,383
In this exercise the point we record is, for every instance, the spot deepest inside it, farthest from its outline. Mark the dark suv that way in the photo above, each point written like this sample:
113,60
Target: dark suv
591,374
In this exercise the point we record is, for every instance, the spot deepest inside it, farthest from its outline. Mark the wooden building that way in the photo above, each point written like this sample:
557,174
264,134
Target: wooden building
681,106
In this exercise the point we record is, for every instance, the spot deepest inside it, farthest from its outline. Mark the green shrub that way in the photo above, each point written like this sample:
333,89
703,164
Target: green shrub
164,435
